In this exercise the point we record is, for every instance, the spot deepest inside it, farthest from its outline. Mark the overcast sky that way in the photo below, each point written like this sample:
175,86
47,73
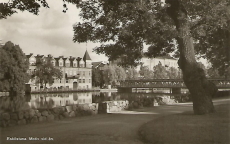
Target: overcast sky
51,32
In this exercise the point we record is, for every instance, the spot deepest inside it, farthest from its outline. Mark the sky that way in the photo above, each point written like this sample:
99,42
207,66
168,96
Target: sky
50,32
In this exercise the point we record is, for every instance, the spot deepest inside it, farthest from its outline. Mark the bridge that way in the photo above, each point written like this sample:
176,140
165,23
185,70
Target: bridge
174,84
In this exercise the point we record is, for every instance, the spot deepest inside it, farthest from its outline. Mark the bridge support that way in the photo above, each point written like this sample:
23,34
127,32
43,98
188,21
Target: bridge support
175,90
124,90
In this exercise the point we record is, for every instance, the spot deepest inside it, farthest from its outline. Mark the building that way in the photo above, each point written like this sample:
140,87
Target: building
166,61
99,65
77,72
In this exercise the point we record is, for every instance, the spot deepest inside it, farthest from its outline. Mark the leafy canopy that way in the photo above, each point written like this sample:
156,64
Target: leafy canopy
45,72
128,24
13,69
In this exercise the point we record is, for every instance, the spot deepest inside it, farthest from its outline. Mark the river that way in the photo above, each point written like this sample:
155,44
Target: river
141,97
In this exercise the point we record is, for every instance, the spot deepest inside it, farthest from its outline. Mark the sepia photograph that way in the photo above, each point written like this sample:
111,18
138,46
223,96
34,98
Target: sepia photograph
114,72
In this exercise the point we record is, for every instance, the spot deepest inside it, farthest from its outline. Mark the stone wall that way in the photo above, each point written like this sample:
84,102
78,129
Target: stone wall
113,106
58,113
42,115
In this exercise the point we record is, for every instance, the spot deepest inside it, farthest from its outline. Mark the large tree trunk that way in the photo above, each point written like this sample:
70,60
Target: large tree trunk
194,78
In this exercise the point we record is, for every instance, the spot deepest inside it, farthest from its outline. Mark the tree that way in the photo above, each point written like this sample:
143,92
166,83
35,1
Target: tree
108,75
120,74
160,72
13,69
214,43
213,73
9,8
112,74
146,73
130,23
173,73
97,78
45,72
131,73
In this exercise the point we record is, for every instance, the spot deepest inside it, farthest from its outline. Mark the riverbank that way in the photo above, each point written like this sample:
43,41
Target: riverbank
72,91
65,91
189,128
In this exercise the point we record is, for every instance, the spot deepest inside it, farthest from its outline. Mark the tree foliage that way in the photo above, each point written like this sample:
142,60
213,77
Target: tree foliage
146,73
160,71
45,72
113,74
13,69
97,78
9,8
213,73
131,73
173,73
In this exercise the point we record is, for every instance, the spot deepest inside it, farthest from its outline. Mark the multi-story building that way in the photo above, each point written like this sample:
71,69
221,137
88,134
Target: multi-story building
77,72
166,61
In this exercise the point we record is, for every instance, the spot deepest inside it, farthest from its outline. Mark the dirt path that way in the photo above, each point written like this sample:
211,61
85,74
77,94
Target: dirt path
116,128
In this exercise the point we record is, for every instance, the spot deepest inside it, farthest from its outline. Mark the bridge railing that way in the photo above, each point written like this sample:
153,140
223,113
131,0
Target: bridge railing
167,83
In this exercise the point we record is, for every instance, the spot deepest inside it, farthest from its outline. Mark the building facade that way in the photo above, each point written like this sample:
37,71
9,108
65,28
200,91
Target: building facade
166,61
77,72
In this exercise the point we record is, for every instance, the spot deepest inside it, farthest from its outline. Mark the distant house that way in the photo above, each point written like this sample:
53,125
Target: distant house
77,72
166,61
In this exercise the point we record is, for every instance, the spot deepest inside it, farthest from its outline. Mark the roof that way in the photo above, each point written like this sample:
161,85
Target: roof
97,64
86,56
28,56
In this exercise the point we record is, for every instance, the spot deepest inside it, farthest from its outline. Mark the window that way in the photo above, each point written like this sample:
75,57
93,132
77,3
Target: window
67,64
79,80
83,80
67,81
89,80
60,64
89,73
83,73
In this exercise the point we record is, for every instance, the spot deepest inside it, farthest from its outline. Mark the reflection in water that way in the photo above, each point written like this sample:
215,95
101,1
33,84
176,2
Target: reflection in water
62,99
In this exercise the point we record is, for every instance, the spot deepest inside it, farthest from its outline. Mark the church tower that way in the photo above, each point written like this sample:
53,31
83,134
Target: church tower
87,60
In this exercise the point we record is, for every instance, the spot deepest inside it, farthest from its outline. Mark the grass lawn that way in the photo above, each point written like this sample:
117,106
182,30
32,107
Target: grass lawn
187,128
